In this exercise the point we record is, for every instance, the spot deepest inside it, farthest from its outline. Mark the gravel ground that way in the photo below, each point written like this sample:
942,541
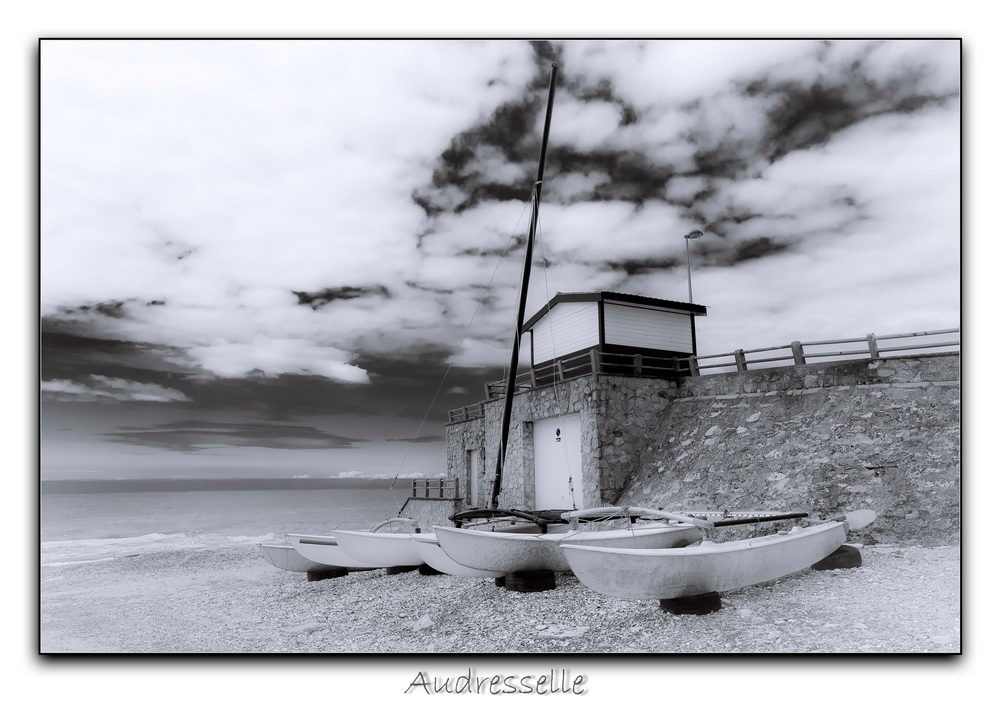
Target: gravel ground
902,600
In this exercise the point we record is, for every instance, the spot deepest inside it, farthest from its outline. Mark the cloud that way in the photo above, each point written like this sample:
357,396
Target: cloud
109,389
262,356
198,435
430,439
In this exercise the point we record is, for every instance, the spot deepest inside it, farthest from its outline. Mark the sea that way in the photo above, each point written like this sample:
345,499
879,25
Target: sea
90,521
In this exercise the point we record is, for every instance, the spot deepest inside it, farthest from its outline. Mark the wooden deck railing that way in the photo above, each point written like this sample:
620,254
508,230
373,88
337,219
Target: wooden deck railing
796,353
870,347
440,489
472,411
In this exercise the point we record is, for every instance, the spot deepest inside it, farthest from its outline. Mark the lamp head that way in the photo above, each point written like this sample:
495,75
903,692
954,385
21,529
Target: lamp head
693,235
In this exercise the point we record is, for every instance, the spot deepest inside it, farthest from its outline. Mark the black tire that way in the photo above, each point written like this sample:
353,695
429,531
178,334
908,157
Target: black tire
425,569
530,581
693,604
499,582
397,569
845,556
325,573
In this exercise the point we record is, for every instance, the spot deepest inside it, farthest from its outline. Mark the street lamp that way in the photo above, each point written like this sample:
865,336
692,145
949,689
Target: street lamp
693,235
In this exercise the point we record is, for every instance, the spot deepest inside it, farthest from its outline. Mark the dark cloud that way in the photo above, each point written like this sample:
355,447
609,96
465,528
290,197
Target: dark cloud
66,355
318,299
115,309
410,385
641,267
508,133
199,435
632,176
430,439
805,114
796,115
728,253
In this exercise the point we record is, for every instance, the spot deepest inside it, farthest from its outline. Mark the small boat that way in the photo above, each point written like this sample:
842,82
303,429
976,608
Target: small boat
433,554
284,557
512,552
707,567
325,550
381,548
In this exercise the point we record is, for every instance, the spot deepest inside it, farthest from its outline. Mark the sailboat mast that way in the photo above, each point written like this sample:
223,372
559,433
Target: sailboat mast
508,398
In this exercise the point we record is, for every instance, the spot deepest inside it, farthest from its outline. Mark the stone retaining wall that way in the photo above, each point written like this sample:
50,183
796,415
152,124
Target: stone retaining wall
878,434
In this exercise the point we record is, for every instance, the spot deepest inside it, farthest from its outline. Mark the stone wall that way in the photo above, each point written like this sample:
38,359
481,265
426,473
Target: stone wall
871,434
572,397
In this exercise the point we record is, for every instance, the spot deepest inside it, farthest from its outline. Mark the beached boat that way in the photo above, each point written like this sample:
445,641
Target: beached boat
380,547
284,557
433,554
325,550
515,552
708,567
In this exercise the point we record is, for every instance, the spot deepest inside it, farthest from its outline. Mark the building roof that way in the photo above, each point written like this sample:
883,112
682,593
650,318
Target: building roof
605,296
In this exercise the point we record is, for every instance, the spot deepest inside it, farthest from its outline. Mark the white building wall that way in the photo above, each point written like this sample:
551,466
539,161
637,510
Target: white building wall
647,327
568,327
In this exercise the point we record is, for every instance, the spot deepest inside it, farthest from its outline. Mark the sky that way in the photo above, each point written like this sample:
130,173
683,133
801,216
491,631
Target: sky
286,257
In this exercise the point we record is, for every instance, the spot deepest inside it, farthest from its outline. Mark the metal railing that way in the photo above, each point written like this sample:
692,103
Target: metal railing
438,489
795,353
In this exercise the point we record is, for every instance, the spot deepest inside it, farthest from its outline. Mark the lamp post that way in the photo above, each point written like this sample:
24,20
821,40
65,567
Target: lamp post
693,235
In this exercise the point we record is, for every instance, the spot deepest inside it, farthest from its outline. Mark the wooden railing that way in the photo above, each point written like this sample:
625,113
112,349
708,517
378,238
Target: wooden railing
796,353
594,362
870,347
472,411
441,489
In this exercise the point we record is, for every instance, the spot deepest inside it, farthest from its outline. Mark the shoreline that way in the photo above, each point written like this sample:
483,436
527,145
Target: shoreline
903,599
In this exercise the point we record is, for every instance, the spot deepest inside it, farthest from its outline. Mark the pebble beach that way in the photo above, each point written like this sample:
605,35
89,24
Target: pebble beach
902,600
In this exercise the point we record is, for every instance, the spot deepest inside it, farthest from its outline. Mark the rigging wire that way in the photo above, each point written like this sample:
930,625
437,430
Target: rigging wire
482,299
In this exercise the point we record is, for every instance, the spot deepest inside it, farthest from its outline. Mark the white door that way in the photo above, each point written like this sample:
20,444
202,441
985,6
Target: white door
474,477
558,459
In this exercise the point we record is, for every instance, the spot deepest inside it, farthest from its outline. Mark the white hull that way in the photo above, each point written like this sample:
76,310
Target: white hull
325,550
433,554
704,568
384,550
514,552
285,557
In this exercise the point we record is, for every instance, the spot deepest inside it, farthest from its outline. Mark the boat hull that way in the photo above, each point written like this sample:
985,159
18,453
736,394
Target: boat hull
433,554
285,557
703,568
325,550
515,552
381,549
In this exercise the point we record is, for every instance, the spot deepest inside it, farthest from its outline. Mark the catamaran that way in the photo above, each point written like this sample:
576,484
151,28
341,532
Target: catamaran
708,567
381,548
326,550
433,555
284,557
